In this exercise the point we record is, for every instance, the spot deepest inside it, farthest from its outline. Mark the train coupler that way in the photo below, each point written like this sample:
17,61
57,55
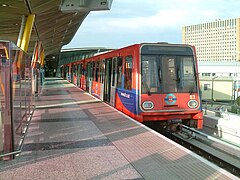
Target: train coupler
175,128
175,125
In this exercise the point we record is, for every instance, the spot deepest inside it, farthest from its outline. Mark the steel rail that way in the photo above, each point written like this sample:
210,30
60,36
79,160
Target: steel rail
211,138
230,167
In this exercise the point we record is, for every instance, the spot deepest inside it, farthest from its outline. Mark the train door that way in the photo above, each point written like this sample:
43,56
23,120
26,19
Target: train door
89,77
107,81
102,78
68,73
72,74
79,74
84,77
113,82
64,72
75,74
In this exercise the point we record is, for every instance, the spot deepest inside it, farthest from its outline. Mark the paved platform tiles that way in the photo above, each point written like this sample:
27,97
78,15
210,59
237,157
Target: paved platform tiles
74,136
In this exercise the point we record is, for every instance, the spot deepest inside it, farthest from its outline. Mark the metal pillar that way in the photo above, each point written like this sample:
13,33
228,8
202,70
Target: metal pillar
27,32
19,41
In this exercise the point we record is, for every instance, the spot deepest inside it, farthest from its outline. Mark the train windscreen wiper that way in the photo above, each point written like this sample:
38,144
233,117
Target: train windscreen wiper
178,76
159,75
146,87
192,88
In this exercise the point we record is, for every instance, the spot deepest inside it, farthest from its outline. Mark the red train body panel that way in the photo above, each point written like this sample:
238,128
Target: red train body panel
148,82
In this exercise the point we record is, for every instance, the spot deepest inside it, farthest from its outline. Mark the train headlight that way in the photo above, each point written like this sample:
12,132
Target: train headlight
192,104
147,105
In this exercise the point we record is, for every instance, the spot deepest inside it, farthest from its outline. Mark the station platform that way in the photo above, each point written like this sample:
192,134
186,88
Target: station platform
73,135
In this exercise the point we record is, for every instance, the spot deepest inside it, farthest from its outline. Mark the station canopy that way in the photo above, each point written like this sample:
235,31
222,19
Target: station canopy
56,21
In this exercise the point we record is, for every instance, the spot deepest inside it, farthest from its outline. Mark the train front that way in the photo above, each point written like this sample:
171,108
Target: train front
169,88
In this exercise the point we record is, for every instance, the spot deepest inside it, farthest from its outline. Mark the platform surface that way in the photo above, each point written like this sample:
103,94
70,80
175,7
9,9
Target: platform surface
75,136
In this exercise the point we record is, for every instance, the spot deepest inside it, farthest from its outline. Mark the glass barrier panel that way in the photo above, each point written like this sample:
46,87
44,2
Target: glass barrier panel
6,136
16,100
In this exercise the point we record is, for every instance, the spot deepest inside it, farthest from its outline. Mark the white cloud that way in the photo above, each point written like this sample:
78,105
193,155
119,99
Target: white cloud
169,18
171,14
141,19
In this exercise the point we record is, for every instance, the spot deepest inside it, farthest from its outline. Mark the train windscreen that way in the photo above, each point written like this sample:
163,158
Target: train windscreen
167,70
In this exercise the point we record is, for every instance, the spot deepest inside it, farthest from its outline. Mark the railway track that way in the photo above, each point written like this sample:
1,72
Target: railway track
219,152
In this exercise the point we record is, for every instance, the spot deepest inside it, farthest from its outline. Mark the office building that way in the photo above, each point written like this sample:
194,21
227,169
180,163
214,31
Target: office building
214,41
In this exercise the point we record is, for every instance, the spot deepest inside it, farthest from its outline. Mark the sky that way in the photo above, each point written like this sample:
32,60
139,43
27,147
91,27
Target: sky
135,21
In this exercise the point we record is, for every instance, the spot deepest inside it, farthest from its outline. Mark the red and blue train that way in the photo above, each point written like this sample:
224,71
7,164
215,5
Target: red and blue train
150,82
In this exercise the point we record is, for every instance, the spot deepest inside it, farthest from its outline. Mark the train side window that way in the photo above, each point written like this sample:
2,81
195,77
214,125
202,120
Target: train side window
72,70
87,71
75,70
128,73
97,71
93,71
102,71
80,70
119,72
84,70
186,75
114,71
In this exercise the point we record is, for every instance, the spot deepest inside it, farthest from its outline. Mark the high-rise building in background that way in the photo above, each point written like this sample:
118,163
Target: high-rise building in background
214,41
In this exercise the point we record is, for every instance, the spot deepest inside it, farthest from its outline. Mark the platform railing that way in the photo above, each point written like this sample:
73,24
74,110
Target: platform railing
220,107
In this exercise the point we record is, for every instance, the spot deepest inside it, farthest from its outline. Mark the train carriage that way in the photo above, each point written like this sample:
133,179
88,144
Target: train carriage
150,82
